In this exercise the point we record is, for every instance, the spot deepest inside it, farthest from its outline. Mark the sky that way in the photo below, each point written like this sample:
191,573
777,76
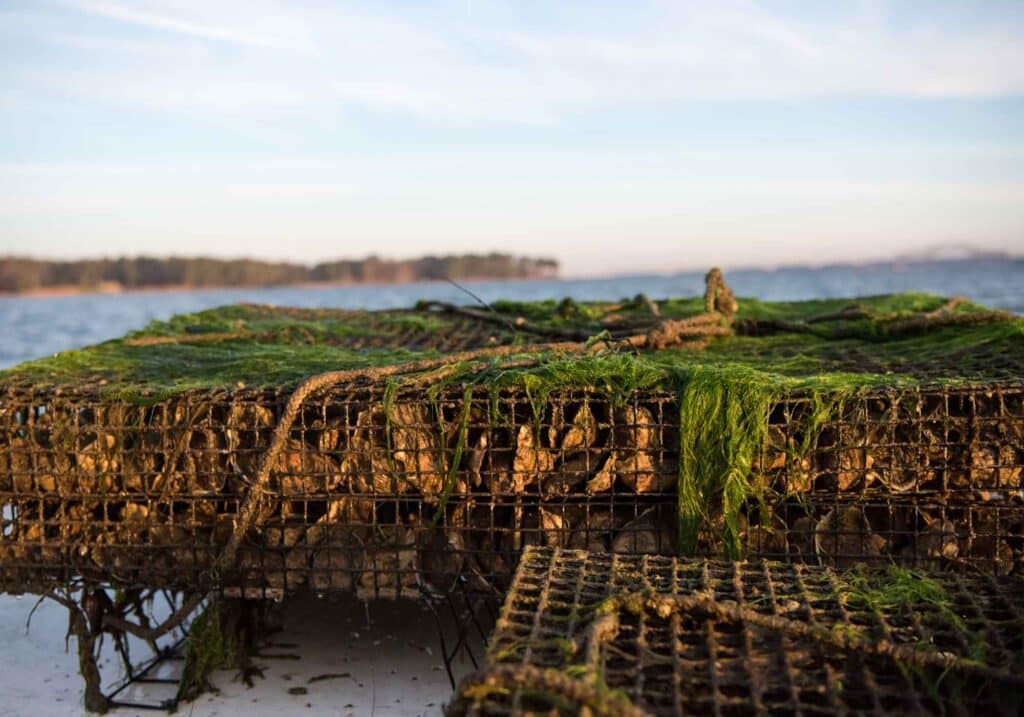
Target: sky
633,136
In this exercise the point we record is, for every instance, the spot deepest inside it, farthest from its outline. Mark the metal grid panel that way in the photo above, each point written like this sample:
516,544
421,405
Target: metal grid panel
562,612
384,495
925,477
391,493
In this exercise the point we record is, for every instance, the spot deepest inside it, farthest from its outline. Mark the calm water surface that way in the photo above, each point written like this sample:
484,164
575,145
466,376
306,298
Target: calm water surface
34,327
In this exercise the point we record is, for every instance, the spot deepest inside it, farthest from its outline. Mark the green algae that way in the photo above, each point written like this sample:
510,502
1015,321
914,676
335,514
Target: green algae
616,376
278,325
266,347
513,651
210,646
456,460
902,592
137,373
723,418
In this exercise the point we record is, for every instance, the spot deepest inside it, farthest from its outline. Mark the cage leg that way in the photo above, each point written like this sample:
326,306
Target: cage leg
473,608
86,641
444,643
460,618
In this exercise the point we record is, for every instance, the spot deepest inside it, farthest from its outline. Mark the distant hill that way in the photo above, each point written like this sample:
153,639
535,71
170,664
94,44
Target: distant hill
27,275
950,252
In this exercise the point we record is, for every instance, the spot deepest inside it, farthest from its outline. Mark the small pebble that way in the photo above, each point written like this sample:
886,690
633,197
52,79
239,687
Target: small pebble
297,691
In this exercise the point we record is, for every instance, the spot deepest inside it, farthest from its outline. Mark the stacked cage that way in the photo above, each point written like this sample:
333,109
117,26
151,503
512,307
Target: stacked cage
593,633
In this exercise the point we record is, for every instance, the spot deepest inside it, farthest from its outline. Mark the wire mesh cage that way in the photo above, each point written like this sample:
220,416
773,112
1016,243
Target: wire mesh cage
390,493
219,450
600,633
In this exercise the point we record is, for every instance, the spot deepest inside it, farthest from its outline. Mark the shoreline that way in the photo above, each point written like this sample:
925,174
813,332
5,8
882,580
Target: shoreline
52,292
113,288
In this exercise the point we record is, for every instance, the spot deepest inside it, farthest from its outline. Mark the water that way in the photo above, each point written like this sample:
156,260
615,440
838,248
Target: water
34,327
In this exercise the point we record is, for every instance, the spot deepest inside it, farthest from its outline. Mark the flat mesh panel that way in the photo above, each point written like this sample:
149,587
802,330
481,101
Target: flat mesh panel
568,610
393,493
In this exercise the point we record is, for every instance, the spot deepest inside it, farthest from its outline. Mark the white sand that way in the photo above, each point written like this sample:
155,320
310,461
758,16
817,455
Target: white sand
394,666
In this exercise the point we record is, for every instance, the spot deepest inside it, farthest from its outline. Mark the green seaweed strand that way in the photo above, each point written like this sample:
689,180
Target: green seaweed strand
453,467
722,422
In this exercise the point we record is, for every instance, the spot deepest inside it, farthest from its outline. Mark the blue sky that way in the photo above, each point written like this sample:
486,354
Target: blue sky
627,136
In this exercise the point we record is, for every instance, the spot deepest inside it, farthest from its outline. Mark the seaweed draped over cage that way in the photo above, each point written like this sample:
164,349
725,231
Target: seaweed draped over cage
404,452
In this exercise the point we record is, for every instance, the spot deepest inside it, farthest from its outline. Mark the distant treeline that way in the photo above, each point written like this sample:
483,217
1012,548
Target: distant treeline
20,274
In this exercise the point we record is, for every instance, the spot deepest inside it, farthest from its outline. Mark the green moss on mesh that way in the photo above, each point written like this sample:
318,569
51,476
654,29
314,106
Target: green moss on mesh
150,373
210,647
910,593
902,591
266,347
452,470
616,376
275,325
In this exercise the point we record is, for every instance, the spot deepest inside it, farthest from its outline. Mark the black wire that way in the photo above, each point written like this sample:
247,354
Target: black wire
504,319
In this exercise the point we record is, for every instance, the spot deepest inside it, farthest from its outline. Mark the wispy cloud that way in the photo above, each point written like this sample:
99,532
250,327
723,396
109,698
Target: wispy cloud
184,24
498,63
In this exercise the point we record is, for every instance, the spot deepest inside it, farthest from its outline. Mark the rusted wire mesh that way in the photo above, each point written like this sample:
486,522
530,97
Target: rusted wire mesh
652,635
925,477
369,493
387,492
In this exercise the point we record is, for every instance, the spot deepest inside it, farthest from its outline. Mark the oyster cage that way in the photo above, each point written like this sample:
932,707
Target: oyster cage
598,633
389,493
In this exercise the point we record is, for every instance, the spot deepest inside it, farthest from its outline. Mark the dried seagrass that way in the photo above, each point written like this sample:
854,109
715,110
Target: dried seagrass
600,634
